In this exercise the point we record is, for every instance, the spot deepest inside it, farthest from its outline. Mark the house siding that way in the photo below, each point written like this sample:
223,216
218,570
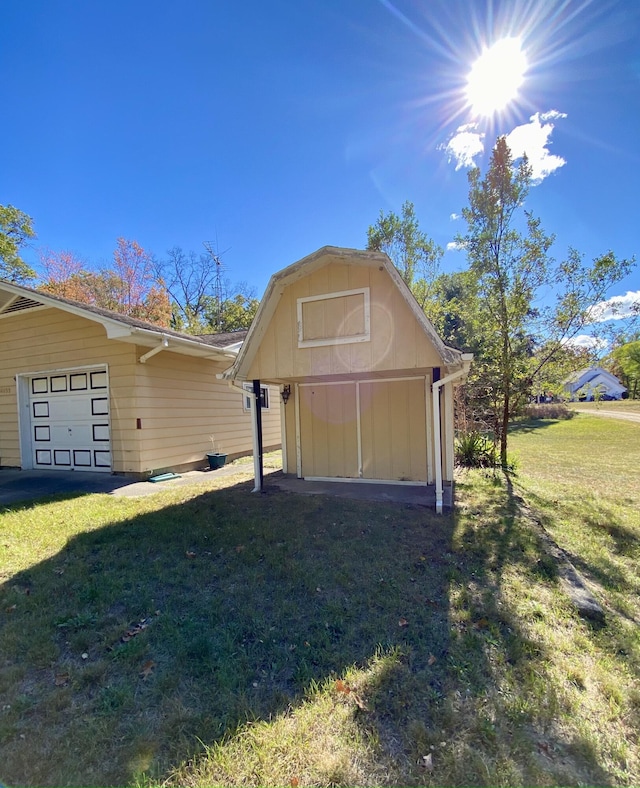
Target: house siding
177,399
49,339
180,403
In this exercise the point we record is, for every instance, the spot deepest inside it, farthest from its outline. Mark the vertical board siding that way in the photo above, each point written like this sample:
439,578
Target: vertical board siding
393,419
328,430
397,342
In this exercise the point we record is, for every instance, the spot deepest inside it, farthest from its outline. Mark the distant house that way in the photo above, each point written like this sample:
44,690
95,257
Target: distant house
83,388
366,380
593,382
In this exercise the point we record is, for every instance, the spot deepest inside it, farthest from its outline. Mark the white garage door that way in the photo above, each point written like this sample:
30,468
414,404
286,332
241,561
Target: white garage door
69,415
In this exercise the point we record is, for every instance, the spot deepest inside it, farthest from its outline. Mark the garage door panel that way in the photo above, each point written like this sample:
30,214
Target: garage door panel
70,421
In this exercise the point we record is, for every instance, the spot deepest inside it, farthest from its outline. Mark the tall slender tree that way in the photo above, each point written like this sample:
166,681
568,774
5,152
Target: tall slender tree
510,264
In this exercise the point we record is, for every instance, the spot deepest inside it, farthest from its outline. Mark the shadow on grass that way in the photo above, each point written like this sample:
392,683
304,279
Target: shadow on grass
526,426
142,639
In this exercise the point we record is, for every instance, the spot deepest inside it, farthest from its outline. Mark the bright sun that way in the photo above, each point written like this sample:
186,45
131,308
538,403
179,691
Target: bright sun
496,76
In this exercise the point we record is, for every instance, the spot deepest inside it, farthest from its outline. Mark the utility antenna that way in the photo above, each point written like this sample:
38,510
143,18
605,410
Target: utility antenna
218,285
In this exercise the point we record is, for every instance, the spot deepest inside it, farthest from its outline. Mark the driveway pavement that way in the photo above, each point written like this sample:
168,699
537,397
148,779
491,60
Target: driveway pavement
16,485
611,414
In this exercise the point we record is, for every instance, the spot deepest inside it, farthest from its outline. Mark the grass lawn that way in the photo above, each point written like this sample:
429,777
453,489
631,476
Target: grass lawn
229,638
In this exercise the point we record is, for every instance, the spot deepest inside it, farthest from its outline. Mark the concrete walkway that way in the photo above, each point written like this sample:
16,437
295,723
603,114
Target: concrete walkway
363,491
16,485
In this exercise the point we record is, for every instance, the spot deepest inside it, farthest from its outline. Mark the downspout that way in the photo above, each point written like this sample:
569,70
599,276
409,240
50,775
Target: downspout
436,386
254,433
162,346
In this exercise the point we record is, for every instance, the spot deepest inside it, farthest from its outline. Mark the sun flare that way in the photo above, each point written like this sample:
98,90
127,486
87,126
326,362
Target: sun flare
496,76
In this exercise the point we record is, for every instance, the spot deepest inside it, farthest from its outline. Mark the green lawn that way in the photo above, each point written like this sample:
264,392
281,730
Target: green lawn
229,638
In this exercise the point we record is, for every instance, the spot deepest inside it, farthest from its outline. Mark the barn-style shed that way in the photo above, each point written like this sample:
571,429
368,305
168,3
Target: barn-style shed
366,382
83,388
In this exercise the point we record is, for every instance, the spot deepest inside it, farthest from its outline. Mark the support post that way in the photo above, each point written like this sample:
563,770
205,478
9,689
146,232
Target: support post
258,422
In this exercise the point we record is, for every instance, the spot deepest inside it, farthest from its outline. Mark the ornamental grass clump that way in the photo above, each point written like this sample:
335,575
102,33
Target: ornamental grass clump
475,450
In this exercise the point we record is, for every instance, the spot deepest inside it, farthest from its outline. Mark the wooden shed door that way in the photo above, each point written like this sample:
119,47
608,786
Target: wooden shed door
328,430
393,430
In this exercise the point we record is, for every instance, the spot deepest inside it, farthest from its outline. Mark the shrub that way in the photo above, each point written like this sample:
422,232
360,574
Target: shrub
551,410
475,450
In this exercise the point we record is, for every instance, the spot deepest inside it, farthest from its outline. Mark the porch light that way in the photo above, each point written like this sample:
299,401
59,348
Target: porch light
286,393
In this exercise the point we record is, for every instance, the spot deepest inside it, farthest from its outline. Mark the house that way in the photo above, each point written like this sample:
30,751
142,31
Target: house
83,388
591,382
368,384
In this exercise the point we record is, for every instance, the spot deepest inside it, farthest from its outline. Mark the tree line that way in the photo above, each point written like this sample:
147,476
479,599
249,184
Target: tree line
515,307
185,291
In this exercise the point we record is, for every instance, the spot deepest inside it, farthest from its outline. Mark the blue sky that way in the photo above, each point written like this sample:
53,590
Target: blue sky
272,129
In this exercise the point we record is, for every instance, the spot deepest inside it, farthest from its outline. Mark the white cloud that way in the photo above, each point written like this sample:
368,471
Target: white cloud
533,138
454,246
455,216
616,308
587,342
465,145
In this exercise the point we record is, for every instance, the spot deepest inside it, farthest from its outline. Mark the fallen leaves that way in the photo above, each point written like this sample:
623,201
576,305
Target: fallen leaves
432,660
403,622
61,679
147,669
136,629
344,689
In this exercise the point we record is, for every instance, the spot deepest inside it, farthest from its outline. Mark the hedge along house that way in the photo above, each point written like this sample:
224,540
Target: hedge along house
83,388
366,383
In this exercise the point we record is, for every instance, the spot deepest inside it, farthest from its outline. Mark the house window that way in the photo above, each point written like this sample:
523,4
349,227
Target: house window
264,396
334,318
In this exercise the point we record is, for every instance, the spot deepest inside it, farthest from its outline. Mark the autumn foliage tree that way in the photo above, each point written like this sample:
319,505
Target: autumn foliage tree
128,287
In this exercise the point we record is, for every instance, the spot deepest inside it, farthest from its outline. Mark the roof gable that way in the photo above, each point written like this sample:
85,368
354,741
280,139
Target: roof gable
292,278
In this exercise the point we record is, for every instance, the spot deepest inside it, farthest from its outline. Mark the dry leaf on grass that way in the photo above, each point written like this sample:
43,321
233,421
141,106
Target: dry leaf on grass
403,622
342,687
190,554
427,762
432,660
147,669
61,679
294,782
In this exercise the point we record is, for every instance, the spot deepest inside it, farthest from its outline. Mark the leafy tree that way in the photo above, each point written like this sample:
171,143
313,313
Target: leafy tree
236,312
15,230
412,252
129,287
510,266
626,364
65,275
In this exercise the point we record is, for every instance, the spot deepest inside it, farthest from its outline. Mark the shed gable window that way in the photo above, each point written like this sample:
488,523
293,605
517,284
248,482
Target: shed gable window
334,318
